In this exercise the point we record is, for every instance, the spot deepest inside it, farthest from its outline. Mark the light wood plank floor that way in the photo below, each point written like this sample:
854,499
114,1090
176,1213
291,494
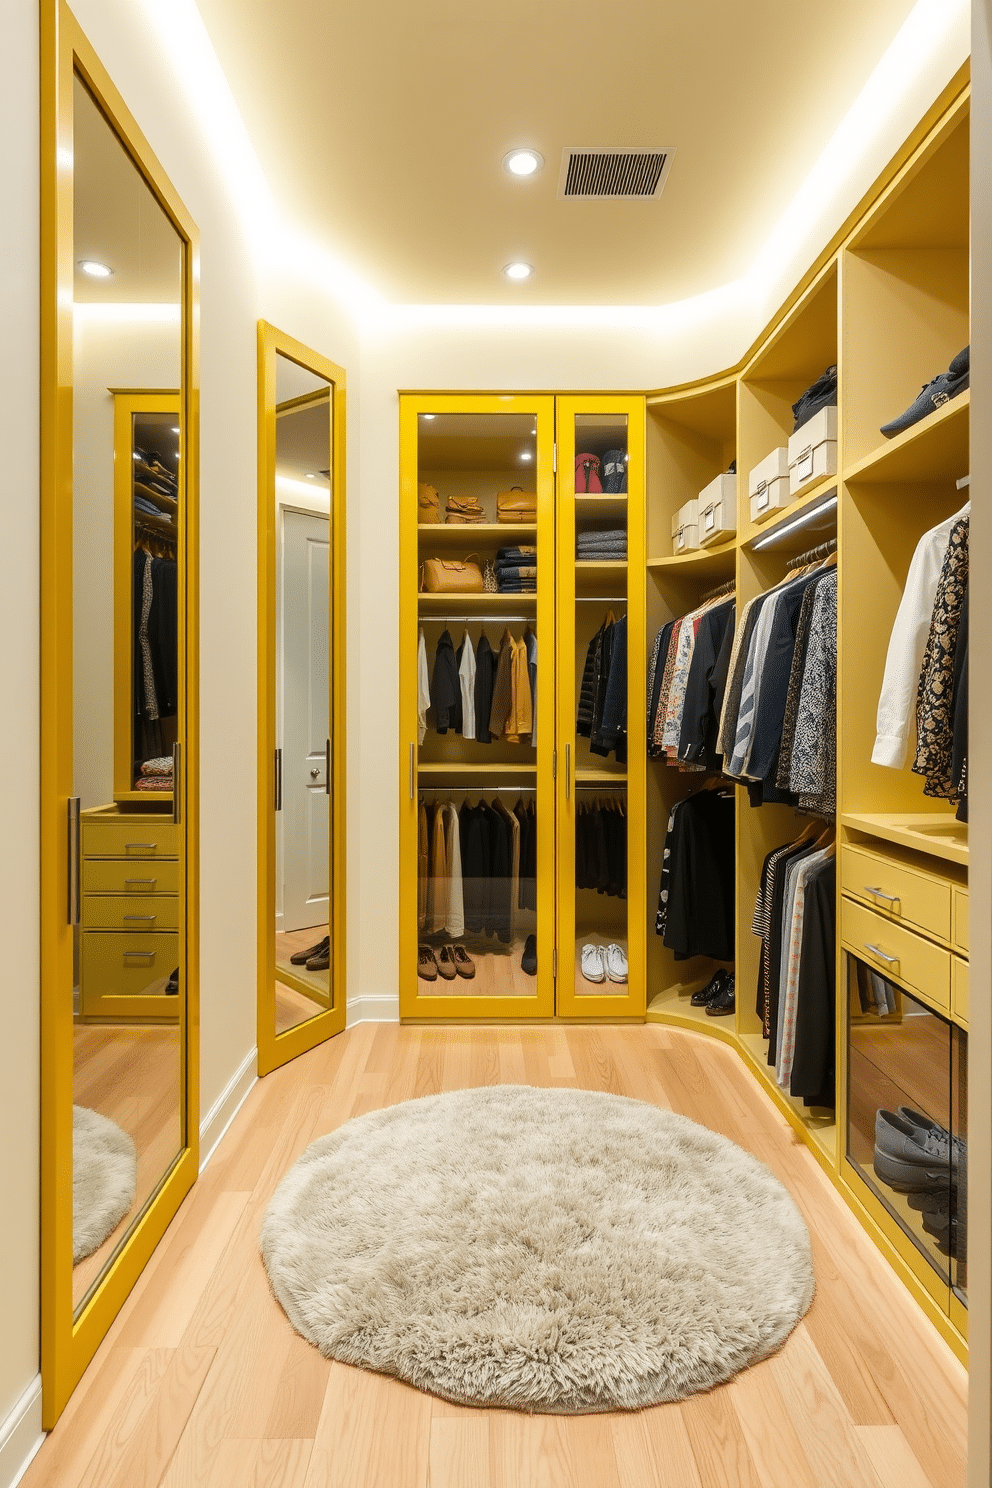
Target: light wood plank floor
202,1383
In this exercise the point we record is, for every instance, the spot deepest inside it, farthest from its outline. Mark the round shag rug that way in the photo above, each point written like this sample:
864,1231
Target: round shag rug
104,1179
542,1250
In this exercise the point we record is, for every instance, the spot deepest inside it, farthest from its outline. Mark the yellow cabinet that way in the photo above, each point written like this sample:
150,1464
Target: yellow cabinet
959,907
898,953
126,835
918,900
128,912
125,976
114,876
959,990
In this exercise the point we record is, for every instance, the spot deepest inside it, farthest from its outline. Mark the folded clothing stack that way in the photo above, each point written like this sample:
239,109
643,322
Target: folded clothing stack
601,547
516,570
464,509
156,774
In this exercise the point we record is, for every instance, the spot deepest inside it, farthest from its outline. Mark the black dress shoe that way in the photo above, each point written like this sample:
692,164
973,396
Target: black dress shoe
172,985
300,958
723,1005
528,961
712,989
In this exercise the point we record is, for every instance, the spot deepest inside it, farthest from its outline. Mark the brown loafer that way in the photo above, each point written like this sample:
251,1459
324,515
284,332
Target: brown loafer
321,961
426,965
302,957
446,963
464,965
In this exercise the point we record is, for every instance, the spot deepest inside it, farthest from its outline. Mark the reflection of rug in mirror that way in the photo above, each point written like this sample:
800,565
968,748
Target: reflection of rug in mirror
542,1250
104,1179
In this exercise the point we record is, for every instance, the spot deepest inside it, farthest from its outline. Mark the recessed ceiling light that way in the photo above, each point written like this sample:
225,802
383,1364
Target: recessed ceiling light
311,475
175,429
526,455
428,415
94,269
522,162
518,271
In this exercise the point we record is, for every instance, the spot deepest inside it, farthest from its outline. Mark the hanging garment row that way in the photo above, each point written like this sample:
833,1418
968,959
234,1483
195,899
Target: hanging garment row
155,659
687,676
601,846
477,692
778,725
924,699
795,917
696,895
478,867
602,708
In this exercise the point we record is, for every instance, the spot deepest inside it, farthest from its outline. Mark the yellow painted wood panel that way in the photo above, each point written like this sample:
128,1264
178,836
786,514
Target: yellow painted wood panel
959,930
141,914
126,965
921,901
130,836
898,953
114,876
959,989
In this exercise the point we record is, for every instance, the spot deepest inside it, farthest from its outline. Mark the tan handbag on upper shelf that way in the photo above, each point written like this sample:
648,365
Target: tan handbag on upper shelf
428,506
517,505
464,510
451,576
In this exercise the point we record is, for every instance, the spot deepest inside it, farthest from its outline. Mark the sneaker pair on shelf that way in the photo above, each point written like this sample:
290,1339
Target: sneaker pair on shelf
914,1154
934,394
316,957
448,961
718,997
602,963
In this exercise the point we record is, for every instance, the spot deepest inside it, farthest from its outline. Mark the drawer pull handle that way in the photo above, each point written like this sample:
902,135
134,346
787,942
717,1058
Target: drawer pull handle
151,918
142,955
892,960
881,894
151,881
144,846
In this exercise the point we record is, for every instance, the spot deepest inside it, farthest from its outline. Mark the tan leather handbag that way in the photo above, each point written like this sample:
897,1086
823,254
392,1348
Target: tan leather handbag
465,510
428,506
451,576
517,505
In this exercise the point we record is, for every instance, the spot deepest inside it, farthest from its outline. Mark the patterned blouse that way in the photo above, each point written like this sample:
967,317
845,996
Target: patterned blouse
935,695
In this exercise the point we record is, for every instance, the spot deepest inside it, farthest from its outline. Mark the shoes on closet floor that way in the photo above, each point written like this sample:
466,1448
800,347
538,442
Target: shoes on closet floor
528,961
615,960
711,991
908,1157
446,963
464,965
300,958
426,965
923,1124
593,963
725,1001
322,960
934,394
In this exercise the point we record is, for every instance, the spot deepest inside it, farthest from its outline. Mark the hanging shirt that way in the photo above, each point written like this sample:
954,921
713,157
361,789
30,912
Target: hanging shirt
531,640
466,677
423,689
454,919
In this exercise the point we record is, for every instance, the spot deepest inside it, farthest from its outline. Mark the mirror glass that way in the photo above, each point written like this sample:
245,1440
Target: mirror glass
127,995
304,770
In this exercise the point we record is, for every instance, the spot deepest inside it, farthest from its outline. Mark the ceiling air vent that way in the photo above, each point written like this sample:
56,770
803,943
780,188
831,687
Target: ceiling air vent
592,172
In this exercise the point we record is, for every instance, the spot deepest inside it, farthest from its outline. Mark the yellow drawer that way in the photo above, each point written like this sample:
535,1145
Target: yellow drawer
139,914
129,837
902,895
898,953
959,932
126,965
117,876
959,989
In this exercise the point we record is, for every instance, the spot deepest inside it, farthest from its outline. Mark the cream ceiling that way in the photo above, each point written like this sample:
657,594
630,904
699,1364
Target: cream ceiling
381,127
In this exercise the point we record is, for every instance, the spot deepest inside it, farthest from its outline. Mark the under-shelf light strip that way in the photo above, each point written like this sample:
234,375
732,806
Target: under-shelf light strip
806,517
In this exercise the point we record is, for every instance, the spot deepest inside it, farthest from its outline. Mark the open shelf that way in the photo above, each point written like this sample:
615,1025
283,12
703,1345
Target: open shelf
715,562
934,449
464,534
782,532
612,509
674,1005
938,833
443,770
475,604
600,777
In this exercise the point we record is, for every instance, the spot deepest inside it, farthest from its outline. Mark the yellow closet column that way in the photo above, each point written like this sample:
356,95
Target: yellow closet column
601,748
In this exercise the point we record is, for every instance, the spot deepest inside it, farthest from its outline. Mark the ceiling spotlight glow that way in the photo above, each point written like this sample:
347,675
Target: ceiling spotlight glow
526,455
518,270
94,269
175,428
522,162
428,415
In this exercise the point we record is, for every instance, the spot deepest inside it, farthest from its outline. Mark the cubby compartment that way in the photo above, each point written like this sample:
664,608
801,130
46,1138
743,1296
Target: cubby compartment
691,440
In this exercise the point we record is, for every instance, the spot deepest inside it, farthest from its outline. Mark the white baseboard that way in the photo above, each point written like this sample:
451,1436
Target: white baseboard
374,1007
225,1108
21,1435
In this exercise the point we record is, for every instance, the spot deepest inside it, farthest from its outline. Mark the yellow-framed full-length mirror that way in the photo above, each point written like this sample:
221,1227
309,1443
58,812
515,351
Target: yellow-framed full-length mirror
120,1099
301,681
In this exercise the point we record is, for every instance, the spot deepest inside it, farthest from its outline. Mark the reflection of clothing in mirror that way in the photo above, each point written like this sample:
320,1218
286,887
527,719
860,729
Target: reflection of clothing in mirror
155,652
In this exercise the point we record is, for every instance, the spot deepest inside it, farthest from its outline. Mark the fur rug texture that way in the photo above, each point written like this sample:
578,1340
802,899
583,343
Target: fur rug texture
542,1250
104,1179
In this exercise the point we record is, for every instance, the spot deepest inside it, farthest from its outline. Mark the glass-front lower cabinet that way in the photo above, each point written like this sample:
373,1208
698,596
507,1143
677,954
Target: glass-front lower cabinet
510,862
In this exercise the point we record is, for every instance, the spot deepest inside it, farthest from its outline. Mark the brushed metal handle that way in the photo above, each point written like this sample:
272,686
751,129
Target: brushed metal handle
881,894
145,846
147,918
568,771
144,955
73,897
327,768
892,960
143,881
411,773
177,784
277,789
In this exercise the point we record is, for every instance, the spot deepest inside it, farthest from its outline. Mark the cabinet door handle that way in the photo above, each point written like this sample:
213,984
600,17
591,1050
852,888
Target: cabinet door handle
278,780
892,960
142,955
568,771
73,898
177,784
411,773
151,918
881,894
145,882
327,768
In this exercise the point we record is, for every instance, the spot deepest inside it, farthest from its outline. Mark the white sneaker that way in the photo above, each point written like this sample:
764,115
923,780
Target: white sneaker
616,962
593,963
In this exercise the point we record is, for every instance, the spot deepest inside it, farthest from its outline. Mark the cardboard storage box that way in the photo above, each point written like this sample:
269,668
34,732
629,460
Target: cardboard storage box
768,485
718,510
813,450
685,528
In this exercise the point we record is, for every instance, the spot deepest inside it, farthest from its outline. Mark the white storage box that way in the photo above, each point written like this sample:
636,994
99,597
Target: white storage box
813,450
768,485
718,510
685,529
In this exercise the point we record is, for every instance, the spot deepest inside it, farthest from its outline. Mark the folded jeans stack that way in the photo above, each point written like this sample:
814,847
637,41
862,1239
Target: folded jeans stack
601,547
464,511
516,570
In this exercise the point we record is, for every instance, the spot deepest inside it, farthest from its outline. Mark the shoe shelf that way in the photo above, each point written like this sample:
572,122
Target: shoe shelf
938,833
463,536
934,449
674,1005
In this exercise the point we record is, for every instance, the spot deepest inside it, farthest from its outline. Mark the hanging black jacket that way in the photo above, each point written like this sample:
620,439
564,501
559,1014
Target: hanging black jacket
587,692
446,692
485,675
611,734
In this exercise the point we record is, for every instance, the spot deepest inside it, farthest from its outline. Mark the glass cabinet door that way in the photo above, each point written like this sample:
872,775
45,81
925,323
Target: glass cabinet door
600,750
477,707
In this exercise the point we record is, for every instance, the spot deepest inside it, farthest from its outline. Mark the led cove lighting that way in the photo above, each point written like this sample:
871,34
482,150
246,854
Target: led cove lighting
94,269
518,270
522,162
806,517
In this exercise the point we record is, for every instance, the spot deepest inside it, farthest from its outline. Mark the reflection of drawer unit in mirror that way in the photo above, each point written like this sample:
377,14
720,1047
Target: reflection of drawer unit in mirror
126,975
907,959
109,834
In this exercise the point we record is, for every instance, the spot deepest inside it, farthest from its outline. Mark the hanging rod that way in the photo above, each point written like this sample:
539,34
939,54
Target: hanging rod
610,599
822,550
477,790
482,619
729,588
